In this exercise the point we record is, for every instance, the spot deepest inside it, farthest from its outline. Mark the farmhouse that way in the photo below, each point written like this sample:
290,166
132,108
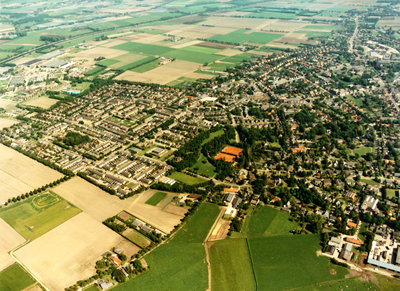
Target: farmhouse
104,284
346,251
116,261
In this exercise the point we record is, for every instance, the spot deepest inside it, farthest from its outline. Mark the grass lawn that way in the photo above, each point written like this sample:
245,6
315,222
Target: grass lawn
269,221
230,266
198,226
391,193
38,214
362,151
173,267
369,182
221,67
363,228
120,121
239,36
387,283
213,135
138,239
205,169
156,198
182,177
14,278
275,257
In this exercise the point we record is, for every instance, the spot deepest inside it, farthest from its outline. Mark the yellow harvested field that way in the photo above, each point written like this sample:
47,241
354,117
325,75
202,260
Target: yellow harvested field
68,253
42,102
96,52
149,38
114,42
5,103
229,52
194,42
101,205
9,239
7,122
20,174
162,74
235,22
199,76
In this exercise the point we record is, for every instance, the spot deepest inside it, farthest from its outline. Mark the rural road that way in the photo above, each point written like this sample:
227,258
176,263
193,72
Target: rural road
353,36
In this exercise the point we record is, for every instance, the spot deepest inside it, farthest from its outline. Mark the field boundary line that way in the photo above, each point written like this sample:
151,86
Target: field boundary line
221,213
252,266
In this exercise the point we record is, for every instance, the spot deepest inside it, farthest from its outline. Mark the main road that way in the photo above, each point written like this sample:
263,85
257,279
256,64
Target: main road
353,36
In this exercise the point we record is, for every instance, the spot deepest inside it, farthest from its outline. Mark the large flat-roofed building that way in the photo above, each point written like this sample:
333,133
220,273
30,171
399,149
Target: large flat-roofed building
370,204
57,64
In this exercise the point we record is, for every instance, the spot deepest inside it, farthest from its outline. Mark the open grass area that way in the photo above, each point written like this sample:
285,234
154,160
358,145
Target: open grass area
199,225
156,198
203,167
391,193
238,58
353,284
269,221
14,278
184,178
213,135
230,266
275,257
38,214
137,238
370,182
239,36
363,150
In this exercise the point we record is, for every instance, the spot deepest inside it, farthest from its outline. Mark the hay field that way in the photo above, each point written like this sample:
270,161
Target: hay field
19,174
389,22
96,52
7,122
9,239
68,253
42,102
162,74
101,205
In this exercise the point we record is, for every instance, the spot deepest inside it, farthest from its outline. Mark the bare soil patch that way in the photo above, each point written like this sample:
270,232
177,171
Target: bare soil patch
68,253
124,215
229,52
332,271
353,273
101,205
9,239
129,248
176,210
20,174
362,260
42,102
221,230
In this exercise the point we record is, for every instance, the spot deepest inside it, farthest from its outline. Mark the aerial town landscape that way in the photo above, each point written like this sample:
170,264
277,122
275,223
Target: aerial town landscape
199,145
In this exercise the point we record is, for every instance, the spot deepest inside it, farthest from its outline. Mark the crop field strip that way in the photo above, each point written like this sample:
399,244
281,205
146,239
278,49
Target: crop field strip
14,278
156,198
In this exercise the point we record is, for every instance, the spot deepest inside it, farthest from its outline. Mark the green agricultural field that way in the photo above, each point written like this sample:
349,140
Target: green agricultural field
203,167
221,67
321,27
94,71
107,63
146,67
238,58
200,49
147,49
156,198
180,81
269,221
184,178
231,266
239,36
272,15
166,201
213,135
353,284
275,257
192,56
199,225
38,214
138,239
138,63
14,278
370,182
91,288
173,267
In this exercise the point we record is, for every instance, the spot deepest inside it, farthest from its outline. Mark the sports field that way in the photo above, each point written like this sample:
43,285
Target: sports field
275,257
38,215
184,178
199,225
269,221
230,265
14,278
156,198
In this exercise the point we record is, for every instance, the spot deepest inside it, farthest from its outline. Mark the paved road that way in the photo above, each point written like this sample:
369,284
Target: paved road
353,36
